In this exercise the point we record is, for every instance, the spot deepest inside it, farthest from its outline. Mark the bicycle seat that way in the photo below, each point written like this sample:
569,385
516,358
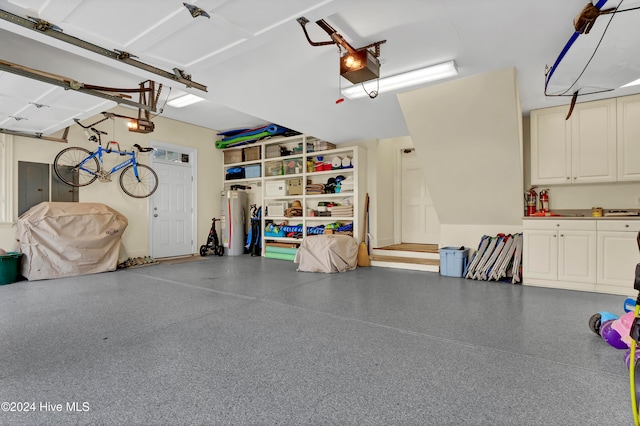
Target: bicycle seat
143,149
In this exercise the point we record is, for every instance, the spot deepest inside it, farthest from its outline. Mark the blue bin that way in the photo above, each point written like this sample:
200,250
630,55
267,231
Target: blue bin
453,261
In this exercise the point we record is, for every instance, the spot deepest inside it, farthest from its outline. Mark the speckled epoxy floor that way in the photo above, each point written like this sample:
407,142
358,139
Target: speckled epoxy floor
250,341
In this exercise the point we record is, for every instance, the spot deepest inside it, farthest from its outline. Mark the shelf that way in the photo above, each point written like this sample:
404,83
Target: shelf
329,172
330,218
241,181
282,218
283,239
260,185
243,163
333,195
284,197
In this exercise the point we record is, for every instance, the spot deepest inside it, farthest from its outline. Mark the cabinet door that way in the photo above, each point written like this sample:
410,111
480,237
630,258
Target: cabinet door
550,146
617,258
628,138
577,256
593,142
540,254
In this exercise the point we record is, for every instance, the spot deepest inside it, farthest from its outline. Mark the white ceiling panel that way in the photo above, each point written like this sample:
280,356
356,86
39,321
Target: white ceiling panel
196,42
258,16
115,23
75,101
19,87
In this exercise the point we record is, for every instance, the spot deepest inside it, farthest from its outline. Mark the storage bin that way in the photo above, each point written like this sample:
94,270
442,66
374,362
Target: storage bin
276,208
9,267
232,156
322,146
275,188
252,171
453,260
293,166
272,151
251,153
234,173
273,168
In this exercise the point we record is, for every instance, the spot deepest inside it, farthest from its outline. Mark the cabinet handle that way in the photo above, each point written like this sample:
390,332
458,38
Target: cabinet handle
575,177
562,235
568,177
554,236
557,224
626,226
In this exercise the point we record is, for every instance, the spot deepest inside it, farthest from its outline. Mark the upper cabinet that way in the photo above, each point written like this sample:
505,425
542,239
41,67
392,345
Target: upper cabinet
579,150
550,146
629,138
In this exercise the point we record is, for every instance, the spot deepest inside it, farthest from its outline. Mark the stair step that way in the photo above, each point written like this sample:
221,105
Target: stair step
416,264
406,254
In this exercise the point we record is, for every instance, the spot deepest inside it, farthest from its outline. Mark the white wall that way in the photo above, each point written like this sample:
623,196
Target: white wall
468,135
615,195
136,237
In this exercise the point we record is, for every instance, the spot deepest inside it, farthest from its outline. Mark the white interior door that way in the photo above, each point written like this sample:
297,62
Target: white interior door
420,222
172,210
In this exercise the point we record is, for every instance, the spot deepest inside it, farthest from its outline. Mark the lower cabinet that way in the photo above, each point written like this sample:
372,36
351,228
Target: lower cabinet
617,254
560,251
597,255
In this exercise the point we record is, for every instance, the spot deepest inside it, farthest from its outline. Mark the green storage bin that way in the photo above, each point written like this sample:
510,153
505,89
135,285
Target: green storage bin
9,267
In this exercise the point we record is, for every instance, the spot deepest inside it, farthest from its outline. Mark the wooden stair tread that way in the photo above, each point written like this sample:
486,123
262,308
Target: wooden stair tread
423,248
405,260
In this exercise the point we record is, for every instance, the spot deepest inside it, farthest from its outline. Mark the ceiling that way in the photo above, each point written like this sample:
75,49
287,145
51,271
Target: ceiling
259,68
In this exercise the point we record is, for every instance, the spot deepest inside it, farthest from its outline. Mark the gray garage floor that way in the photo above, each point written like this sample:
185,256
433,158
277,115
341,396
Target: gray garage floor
250,341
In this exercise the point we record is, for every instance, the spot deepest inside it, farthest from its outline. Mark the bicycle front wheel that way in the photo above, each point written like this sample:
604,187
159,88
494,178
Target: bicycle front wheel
74,168
140,186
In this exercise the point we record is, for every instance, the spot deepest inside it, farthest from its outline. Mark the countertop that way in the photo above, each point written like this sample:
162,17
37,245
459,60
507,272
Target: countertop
583,214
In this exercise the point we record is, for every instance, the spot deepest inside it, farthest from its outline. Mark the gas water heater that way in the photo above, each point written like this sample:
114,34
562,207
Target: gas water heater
233,222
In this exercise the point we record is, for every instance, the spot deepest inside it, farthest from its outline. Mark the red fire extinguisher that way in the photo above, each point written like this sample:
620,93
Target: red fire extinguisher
532,200
544,200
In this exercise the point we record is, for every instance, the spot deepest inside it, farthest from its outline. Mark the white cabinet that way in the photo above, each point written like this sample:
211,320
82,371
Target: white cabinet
617,254
559,251
550,146
581,254
579,150
628,117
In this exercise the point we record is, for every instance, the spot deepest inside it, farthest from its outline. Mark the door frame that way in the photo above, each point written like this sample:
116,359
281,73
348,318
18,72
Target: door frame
193,155
397,196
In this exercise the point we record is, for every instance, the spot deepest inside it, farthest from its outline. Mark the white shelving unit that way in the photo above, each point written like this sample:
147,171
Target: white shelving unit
301,164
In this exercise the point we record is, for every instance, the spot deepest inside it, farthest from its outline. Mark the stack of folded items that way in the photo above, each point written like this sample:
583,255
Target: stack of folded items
345,210
315,188
293,211
346,185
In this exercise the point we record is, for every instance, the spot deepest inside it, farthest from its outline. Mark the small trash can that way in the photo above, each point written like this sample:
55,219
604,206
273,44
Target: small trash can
453,260
9,267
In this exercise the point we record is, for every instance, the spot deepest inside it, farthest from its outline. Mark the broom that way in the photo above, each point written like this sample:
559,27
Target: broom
363,251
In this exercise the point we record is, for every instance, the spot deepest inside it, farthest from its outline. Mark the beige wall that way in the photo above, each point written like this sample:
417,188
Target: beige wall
135,241
468,135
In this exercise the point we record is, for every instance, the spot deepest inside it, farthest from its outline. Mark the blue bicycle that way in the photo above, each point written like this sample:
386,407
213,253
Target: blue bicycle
78,166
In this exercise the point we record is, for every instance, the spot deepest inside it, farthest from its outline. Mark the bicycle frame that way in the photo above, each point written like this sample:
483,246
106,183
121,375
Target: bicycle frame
99,154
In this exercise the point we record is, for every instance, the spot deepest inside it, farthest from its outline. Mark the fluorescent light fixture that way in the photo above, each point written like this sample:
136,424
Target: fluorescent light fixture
185,100
407,79
633,83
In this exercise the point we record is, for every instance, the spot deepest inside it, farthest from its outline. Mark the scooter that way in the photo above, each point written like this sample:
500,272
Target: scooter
213,243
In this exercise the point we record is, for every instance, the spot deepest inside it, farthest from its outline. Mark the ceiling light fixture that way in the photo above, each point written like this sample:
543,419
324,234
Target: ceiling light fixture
185,100
633,83
407,79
